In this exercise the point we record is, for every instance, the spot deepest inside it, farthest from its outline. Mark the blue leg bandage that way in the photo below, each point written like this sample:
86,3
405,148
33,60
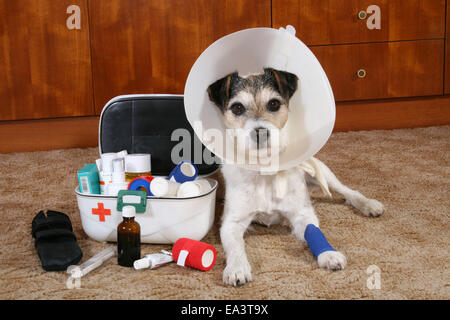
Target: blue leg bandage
316,240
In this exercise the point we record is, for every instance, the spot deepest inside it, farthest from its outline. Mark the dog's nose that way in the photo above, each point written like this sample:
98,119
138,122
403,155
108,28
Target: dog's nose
260,135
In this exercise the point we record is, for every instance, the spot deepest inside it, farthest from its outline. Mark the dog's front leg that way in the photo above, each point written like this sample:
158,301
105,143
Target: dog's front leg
305,227
236,219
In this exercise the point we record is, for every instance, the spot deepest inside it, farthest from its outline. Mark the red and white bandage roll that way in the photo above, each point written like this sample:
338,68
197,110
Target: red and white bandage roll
195,254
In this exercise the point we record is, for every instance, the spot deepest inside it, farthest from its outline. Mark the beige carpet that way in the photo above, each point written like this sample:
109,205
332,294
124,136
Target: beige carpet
408,170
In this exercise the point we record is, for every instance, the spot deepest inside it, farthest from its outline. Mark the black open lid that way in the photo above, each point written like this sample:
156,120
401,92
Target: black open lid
144,124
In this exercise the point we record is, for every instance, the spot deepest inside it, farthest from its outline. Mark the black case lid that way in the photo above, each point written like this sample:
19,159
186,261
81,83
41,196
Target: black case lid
144,124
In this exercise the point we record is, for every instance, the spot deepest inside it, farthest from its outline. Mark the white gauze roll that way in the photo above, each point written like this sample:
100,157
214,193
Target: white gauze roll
193,188
161,187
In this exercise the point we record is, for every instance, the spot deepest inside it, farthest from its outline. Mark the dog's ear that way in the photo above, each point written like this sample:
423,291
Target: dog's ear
285,81
219,92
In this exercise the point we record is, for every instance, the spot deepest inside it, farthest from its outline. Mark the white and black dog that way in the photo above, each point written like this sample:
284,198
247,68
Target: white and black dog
258,104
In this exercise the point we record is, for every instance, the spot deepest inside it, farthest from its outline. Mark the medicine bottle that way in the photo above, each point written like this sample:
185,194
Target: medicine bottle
118,178
136,165
128,238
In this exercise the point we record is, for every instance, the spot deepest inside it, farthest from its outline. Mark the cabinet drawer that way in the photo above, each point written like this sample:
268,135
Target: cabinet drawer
337,21
387,70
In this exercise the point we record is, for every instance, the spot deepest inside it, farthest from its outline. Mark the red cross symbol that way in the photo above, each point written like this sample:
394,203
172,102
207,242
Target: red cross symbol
101,212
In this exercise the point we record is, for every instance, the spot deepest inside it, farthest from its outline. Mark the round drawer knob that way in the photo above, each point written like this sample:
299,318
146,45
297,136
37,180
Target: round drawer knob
362,14
361,73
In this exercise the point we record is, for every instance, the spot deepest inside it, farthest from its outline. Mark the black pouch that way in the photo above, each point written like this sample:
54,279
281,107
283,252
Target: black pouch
55,242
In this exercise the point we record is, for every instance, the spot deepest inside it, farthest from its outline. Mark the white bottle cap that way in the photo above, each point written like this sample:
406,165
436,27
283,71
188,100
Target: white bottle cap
138,162
122,153
107,158
128,212
141,264
118,174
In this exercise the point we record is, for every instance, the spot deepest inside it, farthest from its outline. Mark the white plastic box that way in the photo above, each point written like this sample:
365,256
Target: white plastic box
165,220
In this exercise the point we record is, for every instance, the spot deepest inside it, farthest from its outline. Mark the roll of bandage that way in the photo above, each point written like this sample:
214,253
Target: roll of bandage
194,254
141,183
193,188
184,171
161,187
316,240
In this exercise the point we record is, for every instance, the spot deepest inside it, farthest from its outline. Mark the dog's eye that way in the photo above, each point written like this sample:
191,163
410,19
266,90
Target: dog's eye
273,105
237,108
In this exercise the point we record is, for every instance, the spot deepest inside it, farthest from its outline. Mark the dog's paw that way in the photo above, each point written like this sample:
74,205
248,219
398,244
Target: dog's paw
373,208
237,274
332,260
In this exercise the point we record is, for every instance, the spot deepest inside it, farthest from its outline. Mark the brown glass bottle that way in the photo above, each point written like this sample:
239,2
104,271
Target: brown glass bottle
128,238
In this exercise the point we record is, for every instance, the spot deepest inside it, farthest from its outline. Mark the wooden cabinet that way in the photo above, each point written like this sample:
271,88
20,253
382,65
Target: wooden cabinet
321,22
383,70
45,68
447,54
144,46
396,47
388,61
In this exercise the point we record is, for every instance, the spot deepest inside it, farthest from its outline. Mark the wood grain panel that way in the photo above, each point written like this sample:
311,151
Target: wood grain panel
336,21
45,68
149,46
392,114
48,134
394,69
447,53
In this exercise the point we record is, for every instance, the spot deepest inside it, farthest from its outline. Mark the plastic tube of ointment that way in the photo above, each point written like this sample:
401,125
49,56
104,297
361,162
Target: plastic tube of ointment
153,261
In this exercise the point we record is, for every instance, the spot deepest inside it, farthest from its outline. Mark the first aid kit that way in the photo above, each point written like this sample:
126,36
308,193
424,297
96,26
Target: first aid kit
155,125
